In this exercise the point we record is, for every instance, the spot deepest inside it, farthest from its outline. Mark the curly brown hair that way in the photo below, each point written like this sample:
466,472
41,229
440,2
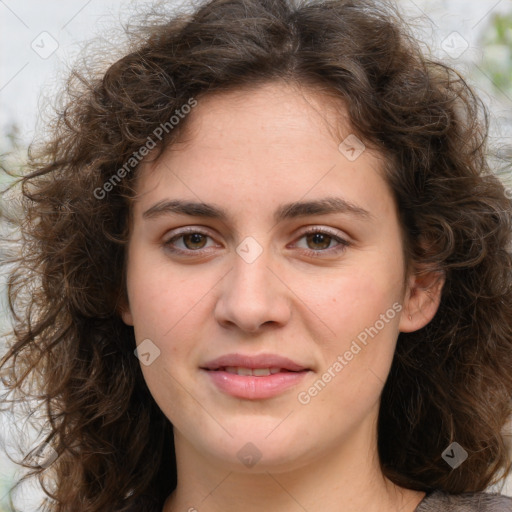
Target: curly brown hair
450,380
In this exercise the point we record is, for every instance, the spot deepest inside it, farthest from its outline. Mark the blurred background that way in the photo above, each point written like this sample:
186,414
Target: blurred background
40,40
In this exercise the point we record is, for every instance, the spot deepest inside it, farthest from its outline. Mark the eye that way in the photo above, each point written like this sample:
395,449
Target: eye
191,240
320,239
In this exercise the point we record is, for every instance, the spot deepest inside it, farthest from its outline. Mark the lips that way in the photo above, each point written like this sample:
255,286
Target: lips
257,372
254,377
260,361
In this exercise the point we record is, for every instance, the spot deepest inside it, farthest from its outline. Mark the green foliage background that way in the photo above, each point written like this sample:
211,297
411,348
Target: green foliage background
497,53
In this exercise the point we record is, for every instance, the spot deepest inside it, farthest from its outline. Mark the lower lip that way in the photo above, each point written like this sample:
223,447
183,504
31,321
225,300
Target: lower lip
255,388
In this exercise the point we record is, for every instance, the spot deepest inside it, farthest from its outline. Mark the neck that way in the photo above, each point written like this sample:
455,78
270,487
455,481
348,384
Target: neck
347,479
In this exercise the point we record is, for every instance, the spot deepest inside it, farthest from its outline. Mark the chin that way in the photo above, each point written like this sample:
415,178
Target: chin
256,454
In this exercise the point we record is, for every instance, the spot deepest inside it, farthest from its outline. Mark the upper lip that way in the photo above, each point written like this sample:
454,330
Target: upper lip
254,361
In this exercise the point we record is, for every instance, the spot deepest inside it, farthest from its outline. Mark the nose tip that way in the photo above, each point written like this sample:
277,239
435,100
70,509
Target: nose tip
249,315
257,326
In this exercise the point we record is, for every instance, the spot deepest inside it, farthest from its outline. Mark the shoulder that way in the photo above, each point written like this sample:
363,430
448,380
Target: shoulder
438,501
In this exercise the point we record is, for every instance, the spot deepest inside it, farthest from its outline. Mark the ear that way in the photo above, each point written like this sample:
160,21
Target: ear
126,315
421,300
124,310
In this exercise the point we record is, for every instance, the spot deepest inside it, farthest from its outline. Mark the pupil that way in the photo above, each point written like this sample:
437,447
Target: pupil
195,238
320,238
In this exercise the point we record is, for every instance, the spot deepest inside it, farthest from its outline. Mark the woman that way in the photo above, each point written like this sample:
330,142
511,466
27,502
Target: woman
266,267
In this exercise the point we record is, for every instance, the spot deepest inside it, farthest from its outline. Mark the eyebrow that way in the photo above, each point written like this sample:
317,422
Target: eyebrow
286,211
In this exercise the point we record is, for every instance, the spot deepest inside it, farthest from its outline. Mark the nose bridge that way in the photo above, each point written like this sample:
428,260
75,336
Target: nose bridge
251,271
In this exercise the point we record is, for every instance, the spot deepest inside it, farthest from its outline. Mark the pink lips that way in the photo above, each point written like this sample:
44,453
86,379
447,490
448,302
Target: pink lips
284,373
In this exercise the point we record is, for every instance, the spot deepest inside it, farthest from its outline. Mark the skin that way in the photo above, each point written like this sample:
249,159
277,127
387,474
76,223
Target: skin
250,151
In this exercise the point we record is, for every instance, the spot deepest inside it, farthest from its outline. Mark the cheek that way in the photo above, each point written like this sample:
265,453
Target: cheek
356,361
356,300
165,308
160,296
362,309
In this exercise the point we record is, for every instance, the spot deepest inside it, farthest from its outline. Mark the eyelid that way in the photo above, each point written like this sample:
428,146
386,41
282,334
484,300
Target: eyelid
322,229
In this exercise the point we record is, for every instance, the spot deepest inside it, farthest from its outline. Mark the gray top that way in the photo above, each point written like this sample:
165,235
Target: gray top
438,501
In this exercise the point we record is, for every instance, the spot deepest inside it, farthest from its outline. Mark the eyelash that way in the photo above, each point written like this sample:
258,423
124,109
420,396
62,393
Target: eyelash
342,243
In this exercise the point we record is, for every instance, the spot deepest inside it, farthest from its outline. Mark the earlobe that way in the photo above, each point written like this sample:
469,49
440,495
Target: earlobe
126,315
125,311
422,300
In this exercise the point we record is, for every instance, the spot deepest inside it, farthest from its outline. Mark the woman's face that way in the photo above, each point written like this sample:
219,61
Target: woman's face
267,320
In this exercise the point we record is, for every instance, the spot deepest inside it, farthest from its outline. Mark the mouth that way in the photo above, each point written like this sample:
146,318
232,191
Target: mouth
255,372
254,377
274,363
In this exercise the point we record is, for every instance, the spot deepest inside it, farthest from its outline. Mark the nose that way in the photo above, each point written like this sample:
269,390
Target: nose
253,296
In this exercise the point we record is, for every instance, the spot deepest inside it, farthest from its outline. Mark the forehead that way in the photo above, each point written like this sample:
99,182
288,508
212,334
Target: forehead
279,111
275,139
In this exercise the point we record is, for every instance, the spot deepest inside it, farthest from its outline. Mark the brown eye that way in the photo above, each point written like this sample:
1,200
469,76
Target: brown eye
194,240
320,240
190,241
